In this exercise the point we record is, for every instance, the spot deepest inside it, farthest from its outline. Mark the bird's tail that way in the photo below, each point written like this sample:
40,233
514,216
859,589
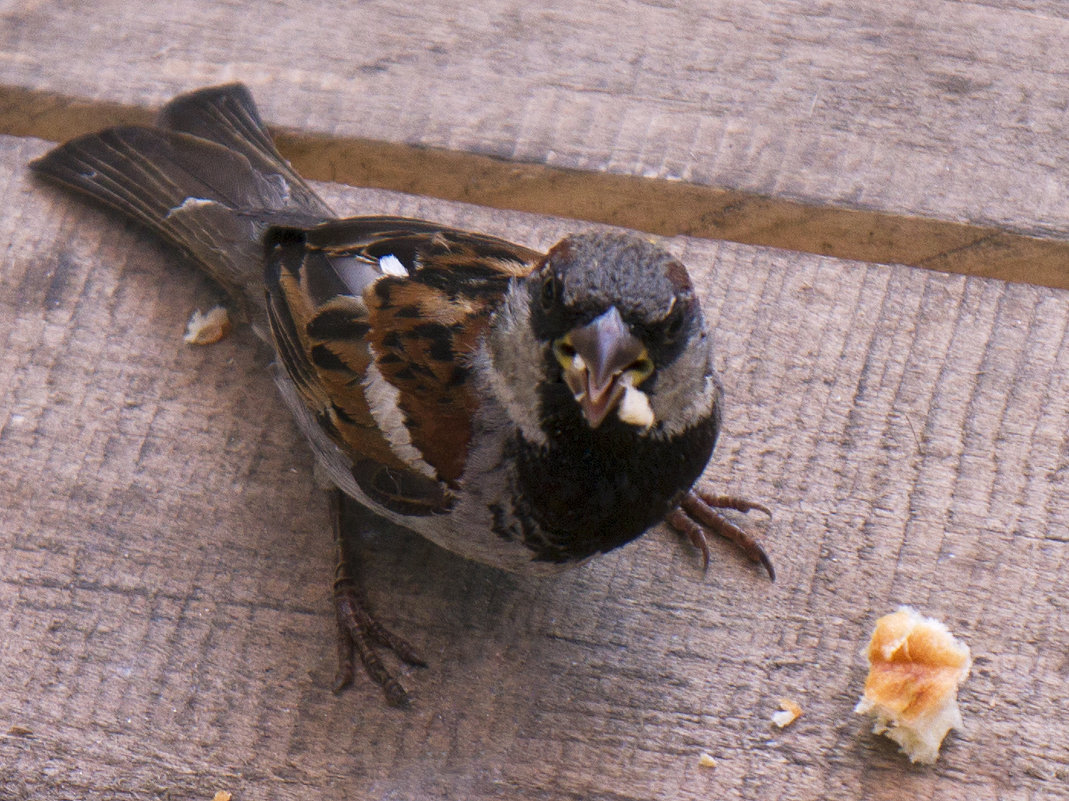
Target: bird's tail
207,178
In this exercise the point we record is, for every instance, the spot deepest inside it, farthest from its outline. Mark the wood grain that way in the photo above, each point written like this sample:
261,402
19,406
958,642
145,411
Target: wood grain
928,133
165,591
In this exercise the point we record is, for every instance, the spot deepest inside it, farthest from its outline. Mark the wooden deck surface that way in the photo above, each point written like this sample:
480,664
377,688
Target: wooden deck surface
927,132
165,624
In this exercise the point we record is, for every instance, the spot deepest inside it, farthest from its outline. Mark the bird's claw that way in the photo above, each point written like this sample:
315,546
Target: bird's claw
698,514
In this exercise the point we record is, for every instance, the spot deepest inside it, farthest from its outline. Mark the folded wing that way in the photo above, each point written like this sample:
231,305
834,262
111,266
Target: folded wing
373,319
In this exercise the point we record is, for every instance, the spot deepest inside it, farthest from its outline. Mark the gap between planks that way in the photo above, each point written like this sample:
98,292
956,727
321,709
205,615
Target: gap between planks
657,206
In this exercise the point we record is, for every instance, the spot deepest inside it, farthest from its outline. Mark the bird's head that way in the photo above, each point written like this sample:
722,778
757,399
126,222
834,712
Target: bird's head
616,331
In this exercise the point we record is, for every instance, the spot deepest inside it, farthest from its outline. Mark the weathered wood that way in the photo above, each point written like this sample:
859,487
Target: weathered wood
759,122
166,556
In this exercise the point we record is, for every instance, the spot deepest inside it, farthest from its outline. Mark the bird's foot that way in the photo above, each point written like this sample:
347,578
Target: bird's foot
358,631
699,514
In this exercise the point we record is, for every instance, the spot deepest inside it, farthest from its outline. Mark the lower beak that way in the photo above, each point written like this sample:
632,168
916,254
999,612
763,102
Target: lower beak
596,403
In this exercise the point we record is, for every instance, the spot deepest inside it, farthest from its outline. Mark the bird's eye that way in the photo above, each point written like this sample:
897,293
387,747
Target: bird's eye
673,326
550,292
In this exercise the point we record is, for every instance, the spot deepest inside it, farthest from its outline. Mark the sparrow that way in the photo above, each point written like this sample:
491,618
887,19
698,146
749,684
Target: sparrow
523,409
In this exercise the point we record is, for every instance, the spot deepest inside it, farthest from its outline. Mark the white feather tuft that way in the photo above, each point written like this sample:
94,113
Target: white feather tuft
391,265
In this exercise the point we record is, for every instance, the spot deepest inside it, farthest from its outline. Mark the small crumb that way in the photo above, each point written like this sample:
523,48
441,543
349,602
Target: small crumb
706,760
789,712
207,329
915,668
222,795
19,731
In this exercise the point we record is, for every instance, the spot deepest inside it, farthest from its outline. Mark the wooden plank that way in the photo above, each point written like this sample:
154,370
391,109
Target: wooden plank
165,591
926,133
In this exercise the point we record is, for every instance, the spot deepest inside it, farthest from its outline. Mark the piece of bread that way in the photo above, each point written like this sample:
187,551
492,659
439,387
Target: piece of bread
789,711
915,667
208,328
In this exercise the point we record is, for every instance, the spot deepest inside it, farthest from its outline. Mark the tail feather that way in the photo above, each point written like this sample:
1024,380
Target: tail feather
228,116
87,164
223,114
211,182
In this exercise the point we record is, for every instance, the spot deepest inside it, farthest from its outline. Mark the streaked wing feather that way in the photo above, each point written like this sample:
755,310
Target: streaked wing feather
356,342
329,384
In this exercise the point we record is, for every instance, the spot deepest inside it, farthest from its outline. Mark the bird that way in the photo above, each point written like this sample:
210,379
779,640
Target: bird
527,410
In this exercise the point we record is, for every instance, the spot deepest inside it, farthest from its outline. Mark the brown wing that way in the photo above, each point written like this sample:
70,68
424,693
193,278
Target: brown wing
378,358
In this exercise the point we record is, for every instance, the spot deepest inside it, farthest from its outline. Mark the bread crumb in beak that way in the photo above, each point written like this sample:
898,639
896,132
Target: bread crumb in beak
635,408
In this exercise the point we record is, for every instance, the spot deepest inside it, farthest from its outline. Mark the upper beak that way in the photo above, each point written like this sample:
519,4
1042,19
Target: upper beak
594,357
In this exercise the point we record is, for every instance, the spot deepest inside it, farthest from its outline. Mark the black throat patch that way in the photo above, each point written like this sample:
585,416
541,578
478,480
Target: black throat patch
592,490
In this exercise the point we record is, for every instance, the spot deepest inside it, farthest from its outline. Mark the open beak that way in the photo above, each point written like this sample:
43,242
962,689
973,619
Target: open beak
601,360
